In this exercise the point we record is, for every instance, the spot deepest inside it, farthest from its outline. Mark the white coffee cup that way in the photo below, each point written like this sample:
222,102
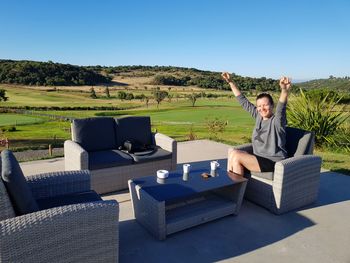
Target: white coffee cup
214,165
162,174
186,168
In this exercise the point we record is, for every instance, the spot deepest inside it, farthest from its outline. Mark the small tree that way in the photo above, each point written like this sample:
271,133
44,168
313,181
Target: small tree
141,97
107,92
121,95
193,98
3,95
159,96
147,101
93,93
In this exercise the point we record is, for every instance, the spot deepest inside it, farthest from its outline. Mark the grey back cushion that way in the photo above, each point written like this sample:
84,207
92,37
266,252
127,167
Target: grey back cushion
134,128
16,185
299,142
94,134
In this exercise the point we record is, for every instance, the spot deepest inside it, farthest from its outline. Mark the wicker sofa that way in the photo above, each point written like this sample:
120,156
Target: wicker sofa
96,146
295,180
54,217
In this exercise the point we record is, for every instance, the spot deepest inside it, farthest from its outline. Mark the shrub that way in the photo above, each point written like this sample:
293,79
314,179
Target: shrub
129,96
215,126
93,93
121,95
12,129
318,115
191,135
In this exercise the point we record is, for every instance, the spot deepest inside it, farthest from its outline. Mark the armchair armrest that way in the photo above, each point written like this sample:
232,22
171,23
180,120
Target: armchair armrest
59,183
72,233
296,181
75,156
297,168
168,144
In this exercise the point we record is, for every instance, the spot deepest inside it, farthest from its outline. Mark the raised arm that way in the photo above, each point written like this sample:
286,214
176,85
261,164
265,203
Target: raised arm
227,78
243,101
285,85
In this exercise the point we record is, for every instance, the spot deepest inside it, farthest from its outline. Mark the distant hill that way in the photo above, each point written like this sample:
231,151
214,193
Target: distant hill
48,74
180,76
332,83
56,74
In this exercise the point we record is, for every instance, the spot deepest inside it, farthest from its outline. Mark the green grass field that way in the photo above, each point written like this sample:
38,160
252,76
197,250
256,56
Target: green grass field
16,119
177,119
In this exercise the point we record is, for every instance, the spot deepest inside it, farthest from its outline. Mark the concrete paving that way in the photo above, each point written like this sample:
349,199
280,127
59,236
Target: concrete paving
317,233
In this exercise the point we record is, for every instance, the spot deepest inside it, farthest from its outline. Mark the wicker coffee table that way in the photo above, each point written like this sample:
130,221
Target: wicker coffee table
175,205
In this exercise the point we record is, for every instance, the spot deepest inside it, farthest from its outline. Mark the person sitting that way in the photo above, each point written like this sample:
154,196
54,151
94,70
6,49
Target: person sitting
269,134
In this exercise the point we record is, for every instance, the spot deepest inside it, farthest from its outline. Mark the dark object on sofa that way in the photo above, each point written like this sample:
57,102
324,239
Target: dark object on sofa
135,147
295,180
98,145
54,208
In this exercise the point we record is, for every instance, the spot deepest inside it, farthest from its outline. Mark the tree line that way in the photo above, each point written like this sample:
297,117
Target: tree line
213,80
56,74
48,74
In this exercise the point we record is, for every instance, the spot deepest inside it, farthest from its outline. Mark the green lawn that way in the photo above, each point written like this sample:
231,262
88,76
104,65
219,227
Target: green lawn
335,161
16,119
177,119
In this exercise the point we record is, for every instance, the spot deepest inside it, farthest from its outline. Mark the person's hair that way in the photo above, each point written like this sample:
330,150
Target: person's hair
265,95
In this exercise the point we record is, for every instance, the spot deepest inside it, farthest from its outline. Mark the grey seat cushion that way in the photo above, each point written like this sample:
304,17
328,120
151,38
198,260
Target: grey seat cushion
265,175
150,156
69,199
109,158
299,142
16,185
95,134
134,128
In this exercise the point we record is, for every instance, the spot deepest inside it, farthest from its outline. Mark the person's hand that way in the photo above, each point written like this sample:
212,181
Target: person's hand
226,76
285,83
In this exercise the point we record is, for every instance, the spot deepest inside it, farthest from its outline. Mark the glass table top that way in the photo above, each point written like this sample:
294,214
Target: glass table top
174,187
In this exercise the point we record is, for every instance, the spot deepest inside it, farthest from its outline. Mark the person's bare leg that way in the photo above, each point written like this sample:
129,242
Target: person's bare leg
240,159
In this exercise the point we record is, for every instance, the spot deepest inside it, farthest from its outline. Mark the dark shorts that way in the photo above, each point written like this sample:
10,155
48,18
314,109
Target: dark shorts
266,165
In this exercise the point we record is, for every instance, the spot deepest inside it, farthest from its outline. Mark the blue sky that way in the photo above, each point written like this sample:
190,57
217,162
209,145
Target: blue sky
304,39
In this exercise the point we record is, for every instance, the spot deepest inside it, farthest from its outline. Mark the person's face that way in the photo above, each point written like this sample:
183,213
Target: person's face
264,107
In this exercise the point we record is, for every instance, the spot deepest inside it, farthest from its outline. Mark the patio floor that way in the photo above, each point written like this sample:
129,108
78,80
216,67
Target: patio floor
316,233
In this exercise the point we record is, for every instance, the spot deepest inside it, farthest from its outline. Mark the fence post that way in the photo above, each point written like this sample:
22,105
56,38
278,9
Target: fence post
50,150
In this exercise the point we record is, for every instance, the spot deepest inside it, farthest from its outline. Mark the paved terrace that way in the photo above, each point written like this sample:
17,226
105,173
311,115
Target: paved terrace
317,233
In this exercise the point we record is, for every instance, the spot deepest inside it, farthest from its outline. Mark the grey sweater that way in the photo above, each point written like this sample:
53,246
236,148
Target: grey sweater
269,136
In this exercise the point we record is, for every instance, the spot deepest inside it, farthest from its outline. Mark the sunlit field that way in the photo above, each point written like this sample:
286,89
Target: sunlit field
175,117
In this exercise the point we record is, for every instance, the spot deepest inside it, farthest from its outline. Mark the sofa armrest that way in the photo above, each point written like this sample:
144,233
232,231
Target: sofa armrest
59,183
75,156
168,144
296,178
72,233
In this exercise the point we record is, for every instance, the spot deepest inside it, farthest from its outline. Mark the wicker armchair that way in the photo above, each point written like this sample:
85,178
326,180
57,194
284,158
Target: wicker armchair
295,180
79,232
